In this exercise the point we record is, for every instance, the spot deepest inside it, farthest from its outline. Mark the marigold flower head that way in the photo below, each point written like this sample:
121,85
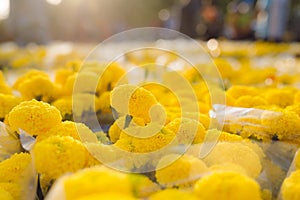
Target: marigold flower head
283,124
187,130
104,102
57,155
121,124
5,195
280,97
14,189
181,172
110,196
228,166
61,75
64,105
248,101
142,186
227,185
98,180
7,102
110,77
14,169
84,102
297,97
5,89
294,108
237,91
67,128
172,194
68,87
29,75
145,145
34,117
140,101
290,189
236,153
38,87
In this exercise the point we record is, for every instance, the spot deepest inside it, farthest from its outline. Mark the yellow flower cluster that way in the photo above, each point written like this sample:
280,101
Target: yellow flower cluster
34,117
290,186
101,182
227,185
15,176
182,172
57,155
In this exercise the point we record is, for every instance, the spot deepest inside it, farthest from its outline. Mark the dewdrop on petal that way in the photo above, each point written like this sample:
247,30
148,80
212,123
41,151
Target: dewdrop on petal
227,185
34,117
179,171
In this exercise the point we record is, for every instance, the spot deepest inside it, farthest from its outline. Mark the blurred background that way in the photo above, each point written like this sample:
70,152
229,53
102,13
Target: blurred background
42,21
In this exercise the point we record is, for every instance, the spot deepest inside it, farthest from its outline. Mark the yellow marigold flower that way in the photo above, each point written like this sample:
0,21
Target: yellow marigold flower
182,172
230,101
5,195
246,126
172,194
110,77
14,189
248,101
61,75
142,186
68,87
88,82
237,91
84,102
37,87
297,159
29,75
291,186
140,101
294,108
228,137
99,180
236,153
282,124
187,130
64,105
119,125
144,145
104,102
57,155
297,97
110,196
227,185
14,169
227,166
67,128
7,102
34,117
280,97
5,89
